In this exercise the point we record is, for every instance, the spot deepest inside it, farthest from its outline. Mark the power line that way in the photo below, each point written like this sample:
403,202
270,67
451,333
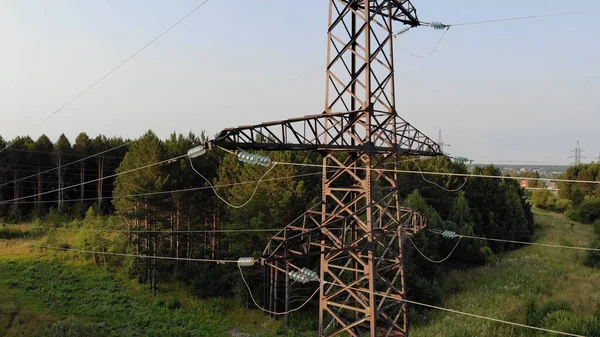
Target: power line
76,161
523,242
160,231
99,179
274,312
223,199
442,187
468,175
524,17
461,313
122,63
129,255
176,191
430,53
435,261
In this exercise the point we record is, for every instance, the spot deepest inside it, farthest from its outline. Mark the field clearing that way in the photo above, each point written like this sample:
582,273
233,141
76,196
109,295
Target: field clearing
501,290
44,291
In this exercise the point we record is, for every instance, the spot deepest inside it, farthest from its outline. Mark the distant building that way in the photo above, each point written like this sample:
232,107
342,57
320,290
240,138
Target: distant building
524,183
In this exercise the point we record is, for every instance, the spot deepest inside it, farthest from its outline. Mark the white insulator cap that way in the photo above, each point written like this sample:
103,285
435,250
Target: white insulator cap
196,151
246,261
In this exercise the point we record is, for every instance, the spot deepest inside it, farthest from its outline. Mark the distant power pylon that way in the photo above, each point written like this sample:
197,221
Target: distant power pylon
441,142
577,155
598,157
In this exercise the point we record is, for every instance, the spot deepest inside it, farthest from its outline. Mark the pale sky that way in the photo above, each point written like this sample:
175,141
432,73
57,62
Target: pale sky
501,92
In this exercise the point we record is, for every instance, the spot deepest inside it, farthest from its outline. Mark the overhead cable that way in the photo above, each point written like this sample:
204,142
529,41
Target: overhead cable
469,175
123,62
522,242
75,162
524,17
218,261
174,191
435,261
134,231
223,199
95,180
438,185
459,312
426,55
274,312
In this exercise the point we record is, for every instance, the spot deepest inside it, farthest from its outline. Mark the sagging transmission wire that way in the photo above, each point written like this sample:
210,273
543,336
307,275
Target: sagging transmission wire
223,199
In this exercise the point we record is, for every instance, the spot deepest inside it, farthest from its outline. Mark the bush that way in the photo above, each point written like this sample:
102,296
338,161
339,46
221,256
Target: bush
569,322
597,227
543,199
173,303
536,314
592,258
589,210
562,205
577,197
218,306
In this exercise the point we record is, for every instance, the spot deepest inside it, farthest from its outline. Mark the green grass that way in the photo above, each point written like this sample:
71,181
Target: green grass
503,289
50,294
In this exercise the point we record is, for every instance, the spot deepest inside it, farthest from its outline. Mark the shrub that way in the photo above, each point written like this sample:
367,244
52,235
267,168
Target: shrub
597,227
218,306
173,303
536,314
592,258
569,322
577,197
562,205
543,199
589,210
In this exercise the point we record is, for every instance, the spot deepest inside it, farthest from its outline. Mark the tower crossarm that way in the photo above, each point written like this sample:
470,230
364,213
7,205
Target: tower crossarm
401,10
345,131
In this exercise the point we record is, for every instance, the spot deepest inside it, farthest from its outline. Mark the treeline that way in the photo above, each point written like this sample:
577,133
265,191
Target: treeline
27,190
169,210
579,200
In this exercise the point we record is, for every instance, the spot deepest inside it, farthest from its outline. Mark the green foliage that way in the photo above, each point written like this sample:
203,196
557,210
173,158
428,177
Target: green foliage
98,300
589,210
71,327
8,233
562,205
597,227
543,199
535,313
576,191
577,197
566,321
592,258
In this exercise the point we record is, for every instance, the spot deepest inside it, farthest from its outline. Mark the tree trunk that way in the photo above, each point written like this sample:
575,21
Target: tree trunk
82,180
60,183
16,190
100,182
39,193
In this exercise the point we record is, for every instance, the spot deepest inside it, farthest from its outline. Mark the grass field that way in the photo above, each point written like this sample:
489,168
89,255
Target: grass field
503,289
51,294
48,294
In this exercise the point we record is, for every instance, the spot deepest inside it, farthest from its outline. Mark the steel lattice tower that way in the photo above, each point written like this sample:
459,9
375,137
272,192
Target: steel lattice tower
577,154
357,231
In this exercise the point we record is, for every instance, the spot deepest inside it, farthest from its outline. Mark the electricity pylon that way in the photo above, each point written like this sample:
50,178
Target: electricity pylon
577,155
357,231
